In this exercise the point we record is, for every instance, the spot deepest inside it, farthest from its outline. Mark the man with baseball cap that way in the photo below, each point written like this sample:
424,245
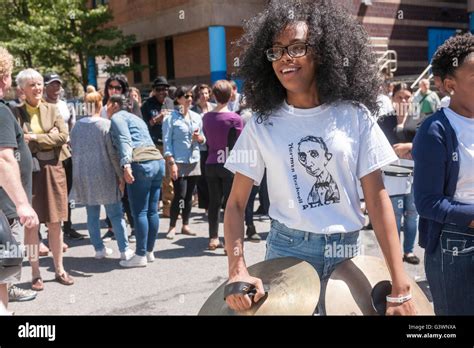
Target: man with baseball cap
154,110
52,89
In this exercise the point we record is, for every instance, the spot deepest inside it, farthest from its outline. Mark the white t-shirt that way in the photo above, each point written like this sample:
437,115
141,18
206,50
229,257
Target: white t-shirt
445,102
69,119
314,159
464,129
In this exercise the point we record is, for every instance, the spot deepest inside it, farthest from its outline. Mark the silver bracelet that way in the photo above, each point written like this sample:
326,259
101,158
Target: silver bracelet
401,299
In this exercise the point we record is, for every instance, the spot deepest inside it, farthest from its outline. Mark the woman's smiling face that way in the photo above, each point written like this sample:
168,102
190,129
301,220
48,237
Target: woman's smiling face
297,75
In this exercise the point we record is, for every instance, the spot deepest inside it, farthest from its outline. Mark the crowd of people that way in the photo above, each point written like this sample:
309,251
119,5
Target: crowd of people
309,130
129,156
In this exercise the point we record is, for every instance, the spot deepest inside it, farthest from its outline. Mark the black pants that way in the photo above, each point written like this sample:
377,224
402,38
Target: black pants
263,194
183,199
249,207
202,189
126,209
219,182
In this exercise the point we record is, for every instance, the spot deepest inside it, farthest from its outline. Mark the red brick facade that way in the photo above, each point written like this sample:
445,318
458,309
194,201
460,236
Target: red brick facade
404,23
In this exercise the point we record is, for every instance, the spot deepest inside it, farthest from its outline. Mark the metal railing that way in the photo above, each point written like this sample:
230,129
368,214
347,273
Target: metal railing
388,60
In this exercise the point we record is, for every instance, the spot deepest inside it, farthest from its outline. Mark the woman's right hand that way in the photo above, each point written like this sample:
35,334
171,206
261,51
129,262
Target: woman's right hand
174,171
242,302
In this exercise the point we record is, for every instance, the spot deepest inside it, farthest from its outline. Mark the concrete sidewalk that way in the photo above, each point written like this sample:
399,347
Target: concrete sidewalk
183,275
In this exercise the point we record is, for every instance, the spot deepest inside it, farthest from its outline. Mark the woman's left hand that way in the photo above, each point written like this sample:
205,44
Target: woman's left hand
128,176
405,308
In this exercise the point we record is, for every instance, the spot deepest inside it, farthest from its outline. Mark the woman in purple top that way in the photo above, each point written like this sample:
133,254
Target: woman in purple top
221,128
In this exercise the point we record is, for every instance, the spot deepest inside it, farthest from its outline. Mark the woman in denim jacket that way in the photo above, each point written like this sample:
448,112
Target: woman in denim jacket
143,170
182,135
443,150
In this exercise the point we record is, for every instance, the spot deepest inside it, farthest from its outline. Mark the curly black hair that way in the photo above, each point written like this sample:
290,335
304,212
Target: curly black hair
347,68
450,55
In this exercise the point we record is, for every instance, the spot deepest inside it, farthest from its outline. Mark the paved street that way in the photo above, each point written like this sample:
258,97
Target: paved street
183,275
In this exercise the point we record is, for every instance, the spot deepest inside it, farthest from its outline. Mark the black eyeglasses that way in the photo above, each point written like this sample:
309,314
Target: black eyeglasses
117,88
295,50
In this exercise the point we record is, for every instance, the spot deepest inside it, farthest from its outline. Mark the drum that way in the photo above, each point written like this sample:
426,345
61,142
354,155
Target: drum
397,178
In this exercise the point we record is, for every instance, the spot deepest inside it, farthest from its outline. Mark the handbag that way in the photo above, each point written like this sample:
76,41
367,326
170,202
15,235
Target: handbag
7,241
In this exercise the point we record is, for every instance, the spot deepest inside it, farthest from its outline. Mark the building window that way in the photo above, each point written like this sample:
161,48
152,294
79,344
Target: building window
169,58
152,61
95,3
136,55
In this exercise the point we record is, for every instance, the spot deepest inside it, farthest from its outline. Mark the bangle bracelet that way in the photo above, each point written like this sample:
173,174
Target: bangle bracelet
401,299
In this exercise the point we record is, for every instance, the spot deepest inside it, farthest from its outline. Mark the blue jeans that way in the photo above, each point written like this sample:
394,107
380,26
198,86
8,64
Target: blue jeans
404,206
323,251
143,196
450,271
114,212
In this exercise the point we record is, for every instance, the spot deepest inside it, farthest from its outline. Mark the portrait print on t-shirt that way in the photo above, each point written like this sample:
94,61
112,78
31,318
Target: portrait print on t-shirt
314,156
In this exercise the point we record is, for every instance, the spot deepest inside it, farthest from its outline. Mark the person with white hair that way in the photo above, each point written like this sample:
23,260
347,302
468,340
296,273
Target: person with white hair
46,135
426,100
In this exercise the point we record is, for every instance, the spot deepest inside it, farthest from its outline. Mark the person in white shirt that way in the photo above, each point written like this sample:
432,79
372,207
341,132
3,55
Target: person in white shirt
314,83
235,99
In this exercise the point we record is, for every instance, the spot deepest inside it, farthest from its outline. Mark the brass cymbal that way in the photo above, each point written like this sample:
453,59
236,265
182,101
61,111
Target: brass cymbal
349,288
294,290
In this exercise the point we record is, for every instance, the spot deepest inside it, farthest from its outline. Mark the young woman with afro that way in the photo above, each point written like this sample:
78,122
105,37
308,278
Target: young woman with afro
313,82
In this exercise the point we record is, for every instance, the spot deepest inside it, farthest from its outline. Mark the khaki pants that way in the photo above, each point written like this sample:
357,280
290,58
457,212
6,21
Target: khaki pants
167,190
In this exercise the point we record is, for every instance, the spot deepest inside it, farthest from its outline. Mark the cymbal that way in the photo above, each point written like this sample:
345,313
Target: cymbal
294,290
350,286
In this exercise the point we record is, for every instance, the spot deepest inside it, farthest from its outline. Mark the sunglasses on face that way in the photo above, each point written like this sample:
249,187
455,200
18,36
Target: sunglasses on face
188,96
117,88
161,89
295,50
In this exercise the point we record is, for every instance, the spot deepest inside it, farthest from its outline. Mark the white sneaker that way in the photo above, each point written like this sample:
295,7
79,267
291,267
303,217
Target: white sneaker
127,255
150,257
102,254
135,261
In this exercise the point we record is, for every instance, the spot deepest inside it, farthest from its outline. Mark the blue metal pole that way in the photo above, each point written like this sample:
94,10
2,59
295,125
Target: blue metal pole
92,74
471,22
217,53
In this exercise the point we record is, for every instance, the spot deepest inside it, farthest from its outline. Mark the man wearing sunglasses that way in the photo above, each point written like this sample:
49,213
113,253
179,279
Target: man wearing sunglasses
154,110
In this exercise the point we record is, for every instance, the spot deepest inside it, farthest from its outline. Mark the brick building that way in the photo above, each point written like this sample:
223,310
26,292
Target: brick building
190,41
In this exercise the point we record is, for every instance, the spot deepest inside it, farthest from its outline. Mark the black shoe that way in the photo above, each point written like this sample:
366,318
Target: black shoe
252,234
412,259
107,237
73,234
